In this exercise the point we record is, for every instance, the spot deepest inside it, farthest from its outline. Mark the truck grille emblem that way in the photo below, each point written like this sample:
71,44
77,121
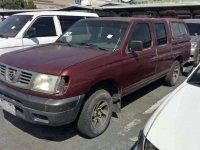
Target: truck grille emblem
12,75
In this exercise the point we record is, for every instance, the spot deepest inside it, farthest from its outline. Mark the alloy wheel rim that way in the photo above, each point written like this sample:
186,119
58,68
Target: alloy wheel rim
100,114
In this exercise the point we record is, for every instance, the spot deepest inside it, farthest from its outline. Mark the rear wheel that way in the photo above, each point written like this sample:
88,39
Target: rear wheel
96,114
172,77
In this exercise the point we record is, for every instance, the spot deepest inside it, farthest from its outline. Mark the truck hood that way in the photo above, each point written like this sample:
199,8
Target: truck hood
50,59
177,125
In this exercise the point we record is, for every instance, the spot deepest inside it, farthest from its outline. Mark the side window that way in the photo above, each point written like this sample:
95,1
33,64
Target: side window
67,21
43,27
175,30
142,33
178,30
183,29
161,33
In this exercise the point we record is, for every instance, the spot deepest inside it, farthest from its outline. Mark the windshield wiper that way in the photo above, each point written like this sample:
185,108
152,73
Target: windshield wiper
65,43
92,45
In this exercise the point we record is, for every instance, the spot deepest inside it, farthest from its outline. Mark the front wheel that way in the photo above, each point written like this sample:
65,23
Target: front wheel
172,77
96,114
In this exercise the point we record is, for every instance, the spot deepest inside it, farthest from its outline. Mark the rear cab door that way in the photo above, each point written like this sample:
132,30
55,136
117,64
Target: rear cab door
163,44
43,30
141,66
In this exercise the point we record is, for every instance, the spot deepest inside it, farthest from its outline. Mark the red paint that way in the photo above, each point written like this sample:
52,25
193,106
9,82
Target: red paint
86,67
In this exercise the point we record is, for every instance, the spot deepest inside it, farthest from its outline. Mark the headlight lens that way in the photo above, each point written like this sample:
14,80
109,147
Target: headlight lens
193,45
149,146
141,139
45,83
144,144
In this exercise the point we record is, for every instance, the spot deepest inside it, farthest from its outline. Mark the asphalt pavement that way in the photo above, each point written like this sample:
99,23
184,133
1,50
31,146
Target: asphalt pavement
16,134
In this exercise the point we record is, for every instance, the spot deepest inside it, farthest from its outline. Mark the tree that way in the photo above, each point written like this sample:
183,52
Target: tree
30,5
17,4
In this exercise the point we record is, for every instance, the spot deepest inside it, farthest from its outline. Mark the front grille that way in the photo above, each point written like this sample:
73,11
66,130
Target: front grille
16,76
2,70
25,77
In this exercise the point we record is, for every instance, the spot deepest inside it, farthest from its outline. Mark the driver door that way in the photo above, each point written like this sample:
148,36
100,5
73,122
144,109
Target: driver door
139,66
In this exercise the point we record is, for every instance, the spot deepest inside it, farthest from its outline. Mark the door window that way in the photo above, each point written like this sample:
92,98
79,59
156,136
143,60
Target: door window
67,21
178,30
161,33
142,33
43,27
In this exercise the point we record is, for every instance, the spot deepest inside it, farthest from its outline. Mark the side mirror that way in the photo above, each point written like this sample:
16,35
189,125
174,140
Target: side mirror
135,46
30,33
187,70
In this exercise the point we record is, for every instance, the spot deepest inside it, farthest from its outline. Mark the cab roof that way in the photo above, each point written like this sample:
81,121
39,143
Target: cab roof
131,19
63,13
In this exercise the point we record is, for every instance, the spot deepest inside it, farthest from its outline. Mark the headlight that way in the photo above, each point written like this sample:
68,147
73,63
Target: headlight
45,83
50,84
149,146
141,140
193,45
144,144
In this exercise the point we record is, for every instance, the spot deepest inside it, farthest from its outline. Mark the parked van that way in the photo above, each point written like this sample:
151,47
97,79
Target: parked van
194,30
87,71
34,28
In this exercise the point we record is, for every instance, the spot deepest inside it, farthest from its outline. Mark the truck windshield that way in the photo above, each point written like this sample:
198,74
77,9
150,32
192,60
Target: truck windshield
11,26
96,34
195,78
193,28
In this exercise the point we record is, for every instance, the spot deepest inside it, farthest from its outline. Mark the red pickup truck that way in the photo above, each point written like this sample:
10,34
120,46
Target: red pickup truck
84,75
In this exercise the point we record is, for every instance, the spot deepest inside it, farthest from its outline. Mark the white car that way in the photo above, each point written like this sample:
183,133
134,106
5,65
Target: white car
34,28
175,125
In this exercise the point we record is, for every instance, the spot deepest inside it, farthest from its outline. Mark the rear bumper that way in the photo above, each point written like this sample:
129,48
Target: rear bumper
42,110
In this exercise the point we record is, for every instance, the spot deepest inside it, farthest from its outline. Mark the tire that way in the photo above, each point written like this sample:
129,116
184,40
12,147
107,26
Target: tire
172,77
92,122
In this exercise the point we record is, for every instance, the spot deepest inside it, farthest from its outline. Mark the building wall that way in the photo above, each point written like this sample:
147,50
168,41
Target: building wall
94,2
62,3
53,3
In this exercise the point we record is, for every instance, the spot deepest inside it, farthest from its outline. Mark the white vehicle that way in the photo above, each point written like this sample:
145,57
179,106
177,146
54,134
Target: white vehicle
175,125
34,28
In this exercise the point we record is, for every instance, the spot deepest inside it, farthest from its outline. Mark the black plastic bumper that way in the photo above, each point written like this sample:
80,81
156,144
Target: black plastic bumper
42,110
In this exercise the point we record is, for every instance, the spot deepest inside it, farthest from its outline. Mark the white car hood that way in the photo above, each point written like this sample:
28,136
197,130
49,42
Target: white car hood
2,39
10,44
177,126
6,42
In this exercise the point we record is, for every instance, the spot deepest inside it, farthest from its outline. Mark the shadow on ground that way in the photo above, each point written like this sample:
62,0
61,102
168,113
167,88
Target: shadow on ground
141,92
46,133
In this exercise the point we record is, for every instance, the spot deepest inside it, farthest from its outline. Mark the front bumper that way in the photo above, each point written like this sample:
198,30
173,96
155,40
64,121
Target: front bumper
194,53
42,110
